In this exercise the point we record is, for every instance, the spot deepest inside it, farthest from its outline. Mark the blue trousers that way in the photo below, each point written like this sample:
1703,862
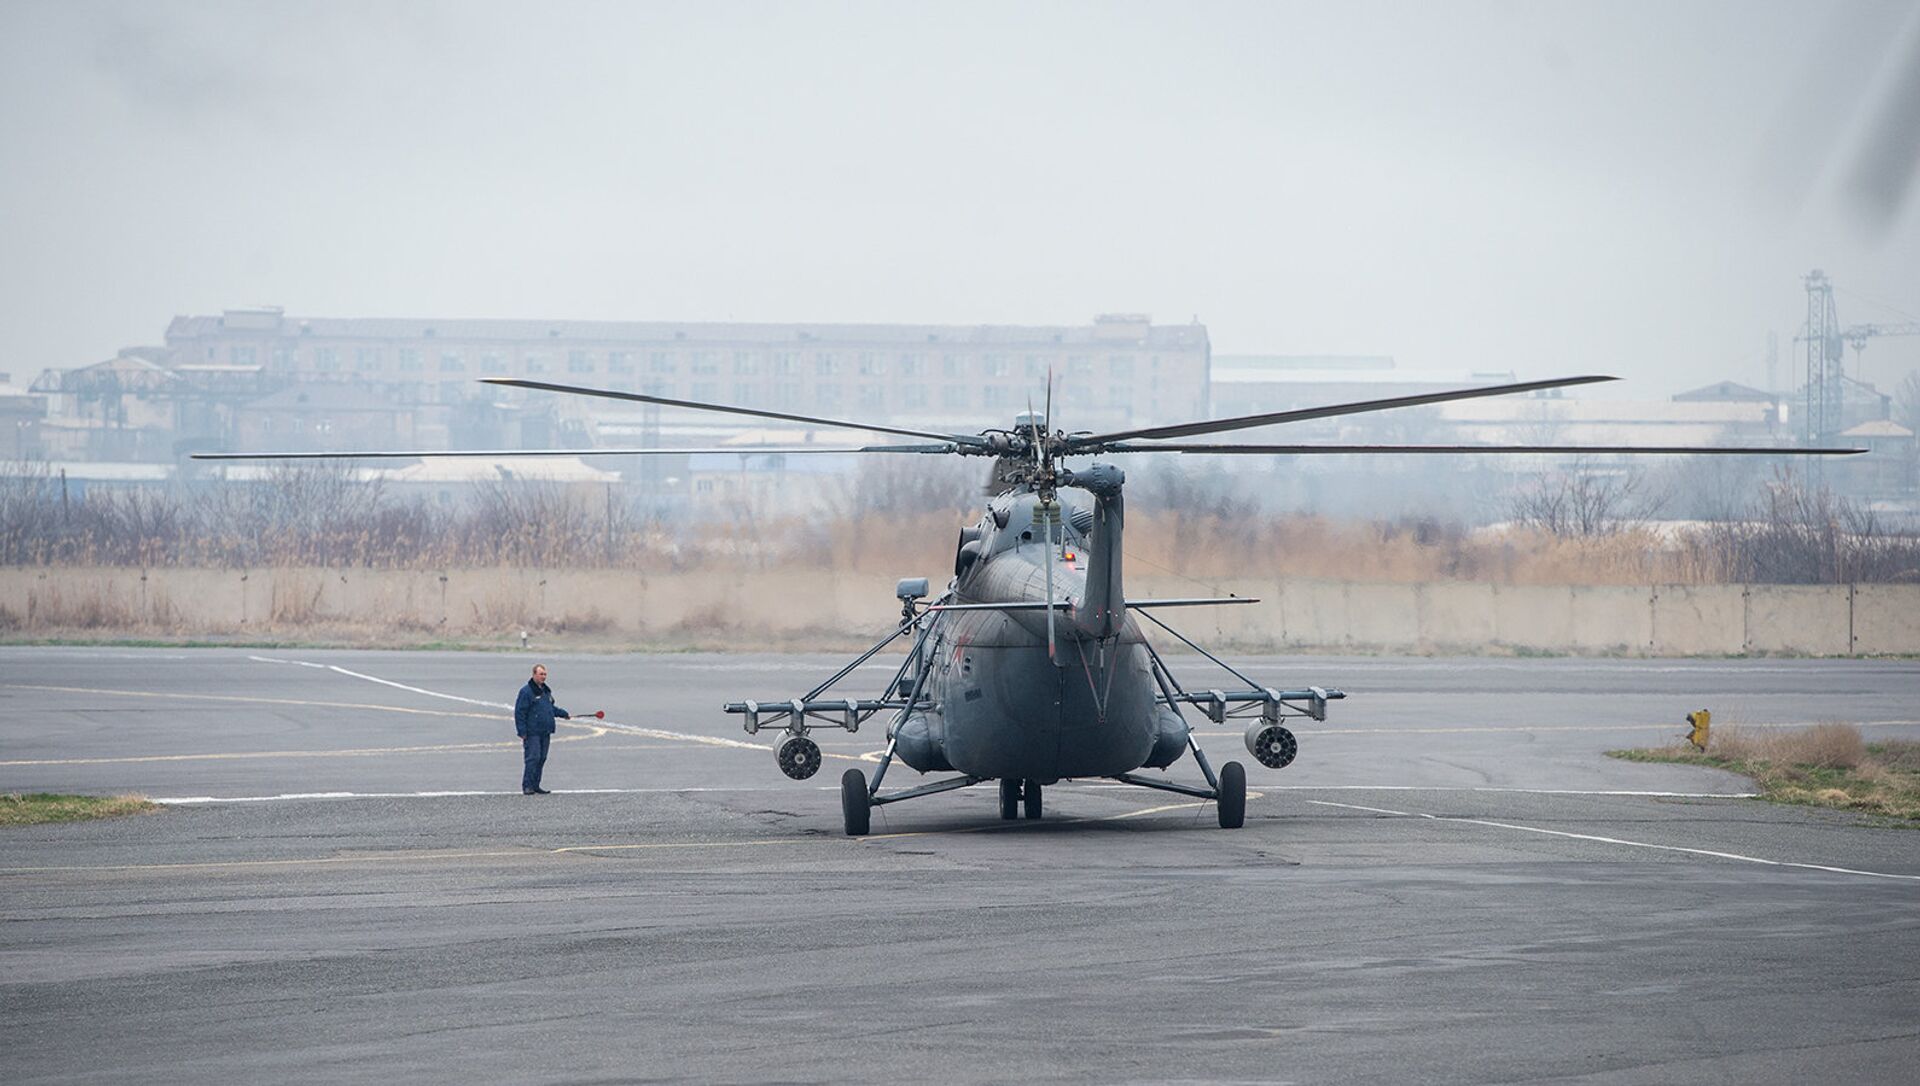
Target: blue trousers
535,747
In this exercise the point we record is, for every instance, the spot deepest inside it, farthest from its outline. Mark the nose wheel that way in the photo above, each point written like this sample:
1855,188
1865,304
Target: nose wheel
1009,798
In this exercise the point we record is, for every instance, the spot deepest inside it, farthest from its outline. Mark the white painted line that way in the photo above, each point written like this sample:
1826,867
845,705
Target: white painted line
187,801
1510,791
1618,841
629,729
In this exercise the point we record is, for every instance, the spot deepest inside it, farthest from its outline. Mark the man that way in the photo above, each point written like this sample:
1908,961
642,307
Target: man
533,715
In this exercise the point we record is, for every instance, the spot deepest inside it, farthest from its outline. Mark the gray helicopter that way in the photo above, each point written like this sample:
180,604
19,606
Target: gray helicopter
1030,666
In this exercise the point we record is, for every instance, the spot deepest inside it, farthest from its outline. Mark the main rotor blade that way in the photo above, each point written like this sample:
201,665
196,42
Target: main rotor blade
698,405
1214,426
1349,450
511,454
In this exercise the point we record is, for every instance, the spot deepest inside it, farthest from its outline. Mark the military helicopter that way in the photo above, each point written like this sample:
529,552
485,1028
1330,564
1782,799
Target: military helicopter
1031,666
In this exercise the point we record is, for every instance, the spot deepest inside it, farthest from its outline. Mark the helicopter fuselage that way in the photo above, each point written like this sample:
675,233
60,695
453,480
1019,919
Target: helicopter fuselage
1011,698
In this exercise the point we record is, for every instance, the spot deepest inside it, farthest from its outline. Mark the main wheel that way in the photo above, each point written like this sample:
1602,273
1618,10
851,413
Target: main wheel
1233,796
1031,793
855,804
1009,798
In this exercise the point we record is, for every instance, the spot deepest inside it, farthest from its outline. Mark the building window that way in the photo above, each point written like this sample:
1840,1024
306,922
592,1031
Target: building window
704,390
366,359
996,365
282,358
660,362
535,363
1036,369
579,362
825,365
742,394
912,365
826,397
410,360
326,359
954,397
492,362
1120,396
451,362
1120,366
788,393
703,362
993,396
872,365
241,356
745,363
950,365
619,362
872,397
786,363
913,396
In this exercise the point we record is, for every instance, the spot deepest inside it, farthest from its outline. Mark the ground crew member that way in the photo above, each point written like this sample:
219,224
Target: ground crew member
533,714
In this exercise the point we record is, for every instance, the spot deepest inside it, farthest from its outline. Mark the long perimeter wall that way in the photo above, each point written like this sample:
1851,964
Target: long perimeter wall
759,609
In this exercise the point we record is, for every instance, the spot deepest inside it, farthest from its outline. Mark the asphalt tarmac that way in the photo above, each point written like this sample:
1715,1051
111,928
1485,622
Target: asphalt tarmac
1450,885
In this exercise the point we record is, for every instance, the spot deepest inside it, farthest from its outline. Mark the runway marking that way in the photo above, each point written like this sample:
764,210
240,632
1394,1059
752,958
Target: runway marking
185,801
297,861
251,700
354,752
1618,841
628,729
1678,729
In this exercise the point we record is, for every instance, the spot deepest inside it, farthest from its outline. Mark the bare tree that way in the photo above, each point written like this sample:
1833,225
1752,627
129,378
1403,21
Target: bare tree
1906,400
1581,500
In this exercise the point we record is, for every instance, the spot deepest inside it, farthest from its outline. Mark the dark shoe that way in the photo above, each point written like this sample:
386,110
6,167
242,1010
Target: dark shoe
526,791
541,792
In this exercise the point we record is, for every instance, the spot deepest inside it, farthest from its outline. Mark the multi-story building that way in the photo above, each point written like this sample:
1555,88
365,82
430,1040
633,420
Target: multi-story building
1118,370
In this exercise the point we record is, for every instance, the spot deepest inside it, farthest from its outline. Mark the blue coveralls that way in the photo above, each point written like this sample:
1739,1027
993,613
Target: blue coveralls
533,714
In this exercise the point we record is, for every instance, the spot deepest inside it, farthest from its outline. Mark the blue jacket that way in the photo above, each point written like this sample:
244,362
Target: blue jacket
533,713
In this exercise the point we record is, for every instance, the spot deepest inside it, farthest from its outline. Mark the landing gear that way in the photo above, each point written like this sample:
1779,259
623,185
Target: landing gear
856,806
1009,798
1233,796
1032,796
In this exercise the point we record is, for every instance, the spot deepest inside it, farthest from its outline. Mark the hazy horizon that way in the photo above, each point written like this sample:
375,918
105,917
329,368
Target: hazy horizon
1544,188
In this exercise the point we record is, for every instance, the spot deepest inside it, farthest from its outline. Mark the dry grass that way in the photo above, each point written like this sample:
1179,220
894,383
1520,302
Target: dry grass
1827,765
37,808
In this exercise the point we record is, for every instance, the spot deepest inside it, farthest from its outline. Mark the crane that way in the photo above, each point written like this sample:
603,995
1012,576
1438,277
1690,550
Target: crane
1825,343
1857,335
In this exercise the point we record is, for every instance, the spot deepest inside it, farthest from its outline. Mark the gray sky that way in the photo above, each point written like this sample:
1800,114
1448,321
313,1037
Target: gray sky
1544,187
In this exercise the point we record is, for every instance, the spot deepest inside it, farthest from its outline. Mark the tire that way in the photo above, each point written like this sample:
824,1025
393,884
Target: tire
1009,798
1233,796
1030,792
855,805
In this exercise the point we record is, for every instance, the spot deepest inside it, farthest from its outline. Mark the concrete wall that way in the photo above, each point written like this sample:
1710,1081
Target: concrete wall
756,609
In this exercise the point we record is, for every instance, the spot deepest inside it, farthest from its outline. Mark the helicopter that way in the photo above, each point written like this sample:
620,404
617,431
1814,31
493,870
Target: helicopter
1031,665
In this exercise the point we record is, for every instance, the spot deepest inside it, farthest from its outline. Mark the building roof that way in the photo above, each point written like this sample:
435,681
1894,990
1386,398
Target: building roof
1877,428
562,333
1726,390
324,397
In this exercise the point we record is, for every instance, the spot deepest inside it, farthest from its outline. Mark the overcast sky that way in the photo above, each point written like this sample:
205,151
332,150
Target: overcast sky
1541,187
